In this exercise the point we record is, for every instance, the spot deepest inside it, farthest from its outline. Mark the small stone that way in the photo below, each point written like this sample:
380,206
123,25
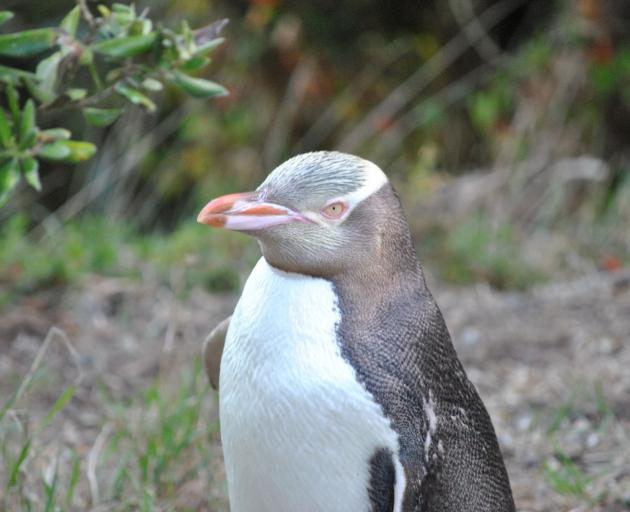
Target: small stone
470,337
524,422
592,440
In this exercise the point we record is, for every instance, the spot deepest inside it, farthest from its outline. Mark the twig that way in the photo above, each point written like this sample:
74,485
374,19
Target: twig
87,14
101,95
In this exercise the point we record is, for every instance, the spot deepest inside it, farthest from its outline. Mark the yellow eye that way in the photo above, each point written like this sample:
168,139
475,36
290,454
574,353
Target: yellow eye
334,210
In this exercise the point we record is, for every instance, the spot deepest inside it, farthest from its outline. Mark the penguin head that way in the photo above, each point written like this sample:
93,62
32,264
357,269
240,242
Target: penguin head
318,213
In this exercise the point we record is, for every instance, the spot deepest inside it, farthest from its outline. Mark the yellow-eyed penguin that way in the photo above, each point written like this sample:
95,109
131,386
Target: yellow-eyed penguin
340,389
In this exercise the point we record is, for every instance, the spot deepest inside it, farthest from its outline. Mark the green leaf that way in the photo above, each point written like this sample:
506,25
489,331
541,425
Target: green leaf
5,131
72,151
30,168
27,130
13,478
195,64
207,47
140,26
13,75
53,134
123,9
87,56
105,12
9,178
80,150
46,72
50,490
76,94
198,87
5,16
13,99
59,404
114,75
35,91
71,21
151,84
124,47
28,42
56,151
134,96
75,475
101,116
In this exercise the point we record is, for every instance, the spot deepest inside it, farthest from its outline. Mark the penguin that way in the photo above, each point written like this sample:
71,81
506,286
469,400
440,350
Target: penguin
340,388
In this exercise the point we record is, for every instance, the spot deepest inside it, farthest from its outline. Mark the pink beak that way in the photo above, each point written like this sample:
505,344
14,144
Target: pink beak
246,212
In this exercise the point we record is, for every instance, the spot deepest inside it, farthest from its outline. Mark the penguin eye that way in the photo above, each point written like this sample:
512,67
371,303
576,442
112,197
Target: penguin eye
334,210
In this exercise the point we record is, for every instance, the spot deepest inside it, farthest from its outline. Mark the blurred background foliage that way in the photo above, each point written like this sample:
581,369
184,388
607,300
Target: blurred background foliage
505,125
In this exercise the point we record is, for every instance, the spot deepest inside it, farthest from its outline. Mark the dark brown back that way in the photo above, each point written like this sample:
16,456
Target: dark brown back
394,335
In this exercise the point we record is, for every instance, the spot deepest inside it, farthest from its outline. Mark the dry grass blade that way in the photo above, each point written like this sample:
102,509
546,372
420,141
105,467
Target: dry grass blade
332,116
28,378
464,14
281,128
390,143
92,461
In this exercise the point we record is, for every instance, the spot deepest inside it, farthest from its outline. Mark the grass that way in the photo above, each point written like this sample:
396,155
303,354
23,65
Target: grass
17,435
212,260
565,477
585,401
151,443
475,251
584,413
157,448
152,446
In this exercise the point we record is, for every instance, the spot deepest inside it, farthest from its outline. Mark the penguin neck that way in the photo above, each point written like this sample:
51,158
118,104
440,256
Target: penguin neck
383,261
393,266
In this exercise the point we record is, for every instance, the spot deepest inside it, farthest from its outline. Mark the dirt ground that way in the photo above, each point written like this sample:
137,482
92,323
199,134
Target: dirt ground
552,365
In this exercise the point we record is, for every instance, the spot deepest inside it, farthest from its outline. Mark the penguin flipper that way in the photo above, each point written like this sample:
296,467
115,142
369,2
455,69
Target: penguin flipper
382,487
212,351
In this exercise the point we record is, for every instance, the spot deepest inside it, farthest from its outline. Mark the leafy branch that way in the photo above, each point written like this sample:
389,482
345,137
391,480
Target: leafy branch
127,57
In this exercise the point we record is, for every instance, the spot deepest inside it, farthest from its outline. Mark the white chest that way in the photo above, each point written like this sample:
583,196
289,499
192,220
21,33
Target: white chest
298,430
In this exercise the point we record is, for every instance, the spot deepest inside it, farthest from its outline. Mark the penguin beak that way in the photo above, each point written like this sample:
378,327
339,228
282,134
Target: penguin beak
246,211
